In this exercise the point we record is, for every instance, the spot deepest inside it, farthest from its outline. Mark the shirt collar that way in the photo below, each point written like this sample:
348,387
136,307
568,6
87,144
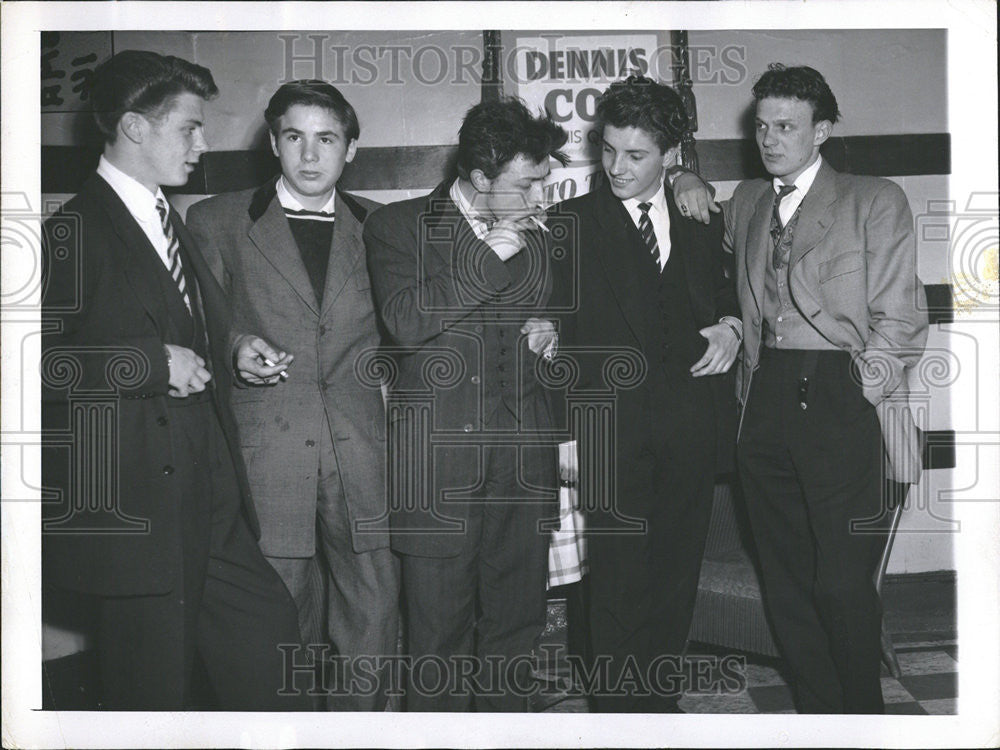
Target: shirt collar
478,224
289,201
659,201
805,180
137,199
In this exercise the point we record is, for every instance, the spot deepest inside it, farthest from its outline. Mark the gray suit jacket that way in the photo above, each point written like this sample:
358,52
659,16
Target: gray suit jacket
251,251
852,274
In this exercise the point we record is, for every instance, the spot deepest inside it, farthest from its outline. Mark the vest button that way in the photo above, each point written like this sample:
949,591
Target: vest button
322,330
162,421
168,469
310,443
467,428
475,379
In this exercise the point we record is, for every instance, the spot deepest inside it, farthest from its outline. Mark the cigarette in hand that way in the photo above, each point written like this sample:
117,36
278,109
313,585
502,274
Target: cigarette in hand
283,374
538,223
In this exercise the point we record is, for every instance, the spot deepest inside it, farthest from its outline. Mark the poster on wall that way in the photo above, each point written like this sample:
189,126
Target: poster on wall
564,74
68,62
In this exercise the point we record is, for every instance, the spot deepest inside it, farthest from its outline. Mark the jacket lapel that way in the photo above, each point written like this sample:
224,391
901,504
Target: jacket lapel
613,249
272,236
687,247
758,245
138,257
441,211
815,216
346,248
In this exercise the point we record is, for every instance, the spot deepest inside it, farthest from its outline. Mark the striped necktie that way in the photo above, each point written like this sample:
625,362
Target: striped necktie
648,235
173,252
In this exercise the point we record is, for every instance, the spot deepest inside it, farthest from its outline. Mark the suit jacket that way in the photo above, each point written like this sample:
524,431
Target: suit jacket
852,274
609,311
250,248
105,318
439,290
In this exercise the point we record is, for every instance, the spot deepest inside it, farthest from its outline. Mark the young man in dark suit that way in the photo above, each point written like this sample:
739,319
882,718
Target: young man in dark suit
647,280
457,274
290,258
152,514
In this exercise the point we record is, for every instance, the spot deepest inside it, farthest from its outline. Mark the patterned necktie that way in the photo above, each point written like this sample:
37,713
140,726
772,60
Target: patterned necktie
777,228
648,235
173,252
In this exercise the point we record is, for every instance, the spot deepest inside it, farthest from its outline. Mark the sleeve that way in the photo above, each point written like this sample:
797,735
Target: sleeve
723,270
896,299
208,232
419,293
79,348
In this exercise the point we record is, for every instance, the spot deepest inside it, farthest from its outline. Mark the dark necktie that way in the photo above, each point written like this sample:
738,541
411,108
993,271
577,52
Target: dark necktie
173,252
648,235
777,228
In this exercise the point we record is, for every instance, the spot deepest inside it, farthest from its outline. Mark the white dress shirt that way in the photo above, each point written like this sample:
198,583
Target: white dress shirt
141,204
802,184
290,202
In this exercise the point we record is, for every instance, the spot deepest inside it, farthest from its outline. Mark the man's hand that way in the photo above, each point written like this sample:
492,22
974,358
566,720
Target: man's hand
723,344
187,371
506,237
542,337
694,198
259,363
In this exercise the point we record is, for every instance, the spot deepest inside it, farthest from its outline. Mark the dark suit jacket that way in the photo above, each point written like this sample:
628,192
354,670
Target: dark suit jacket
104,315
599,286
852,274
247,241
439,290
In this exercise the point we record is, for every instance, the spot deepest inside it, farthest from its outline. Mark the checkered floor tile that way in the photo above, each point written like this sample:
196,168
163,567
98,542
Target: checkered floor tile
928,685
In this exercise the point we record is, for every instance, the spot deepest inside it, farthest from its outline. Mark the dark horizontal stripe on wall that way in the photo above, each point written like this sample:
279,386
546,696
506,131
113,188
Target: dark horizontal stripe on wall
939,449
64,168
940,303
882,155
418,167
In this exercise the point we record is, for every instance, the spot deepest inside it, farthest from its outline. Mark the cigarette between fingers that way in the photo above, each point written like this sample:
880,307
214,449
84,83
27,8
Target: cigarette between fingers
283,375
538,223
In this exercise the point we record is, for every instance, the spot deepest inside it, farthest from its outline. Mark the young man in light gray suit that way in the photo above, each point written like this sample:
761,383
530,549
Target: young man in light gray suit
834,315
290,257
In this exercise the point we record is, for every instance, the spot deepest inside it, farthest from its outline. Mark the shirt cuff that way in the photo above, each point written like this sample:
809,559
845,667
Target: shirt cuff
735,324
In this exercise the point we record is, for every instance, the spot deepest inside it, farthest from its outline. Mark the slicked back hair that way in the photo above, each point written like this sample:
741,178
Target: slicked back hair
493,133
316,93
145,83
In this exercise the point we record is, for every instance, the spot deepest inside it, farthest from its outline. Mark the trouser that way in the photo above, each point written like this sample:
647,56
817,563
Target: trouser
807,474
474,619
228,606
348,600
643,583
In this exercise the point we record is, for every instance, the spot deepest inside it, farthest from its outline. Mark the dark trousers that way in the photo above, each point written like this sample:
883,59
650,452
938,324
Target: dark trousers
807,474
480,613
228,606
643,584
